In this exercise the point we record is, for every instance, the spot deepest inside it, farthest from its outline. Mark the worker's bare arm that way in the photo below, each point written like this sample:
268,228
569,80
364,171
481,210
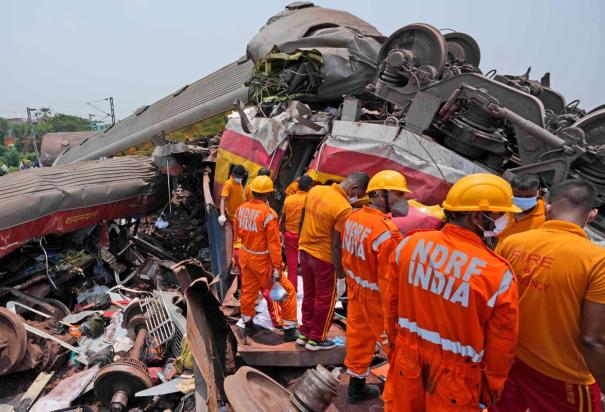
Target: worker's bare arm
593,339
337,254
222,206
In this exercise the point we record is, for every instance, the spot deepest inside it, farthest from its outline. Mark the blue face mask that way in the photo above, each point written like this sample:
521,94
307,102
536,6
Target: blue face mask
525,203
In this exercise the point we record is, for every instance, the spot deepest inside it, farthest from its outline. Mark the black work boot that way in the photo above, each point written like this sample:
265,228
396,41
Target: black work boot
250,328
290,335
360,392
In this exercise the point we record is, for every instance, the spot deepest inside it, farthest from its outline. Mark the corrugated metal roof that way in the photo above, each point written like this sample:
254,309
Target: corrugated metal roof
209,96
36,202
55,143
69,178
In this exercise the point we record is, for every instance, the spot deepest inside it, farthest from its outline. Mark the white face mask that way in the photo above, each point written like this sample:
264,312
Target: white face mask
501,224
353,199
237,180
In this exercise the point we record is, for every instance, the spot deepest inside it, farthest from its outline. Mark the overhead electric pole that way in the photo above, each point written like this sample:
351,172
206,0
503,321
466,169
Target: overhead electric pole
32,134
113,115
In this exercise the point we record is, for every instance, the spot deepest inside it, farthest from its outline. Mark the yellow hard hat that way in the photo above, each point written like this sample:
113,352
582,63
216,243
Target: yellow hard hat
388,180
480,192
262,184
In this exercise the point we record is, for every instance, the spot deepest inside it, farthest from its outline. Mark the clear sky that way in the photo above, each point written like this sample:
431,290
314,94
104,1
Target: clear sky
63,53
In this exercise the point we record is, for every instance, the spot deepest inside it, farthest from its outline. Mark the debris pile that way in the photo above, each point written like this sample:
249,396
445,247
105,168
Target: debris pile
96,317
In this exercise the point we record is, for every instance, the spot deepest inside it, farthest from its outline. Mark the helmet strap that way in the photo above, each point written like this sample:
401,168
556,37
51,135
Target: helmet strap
385,197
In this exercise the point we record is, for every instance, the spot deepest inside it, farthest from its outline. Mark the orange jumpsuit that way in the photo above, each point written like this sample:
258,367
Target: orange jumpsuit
453,307
260,253
369,237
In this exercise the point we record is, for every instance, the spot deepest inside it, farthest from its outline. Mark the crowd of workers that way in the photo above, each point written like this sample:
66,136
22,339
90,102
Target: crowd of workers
503,307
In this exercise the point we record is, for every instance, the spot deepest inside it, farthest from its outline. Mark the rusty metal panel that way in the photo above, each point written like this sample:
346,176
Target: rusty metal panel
54,143
207,334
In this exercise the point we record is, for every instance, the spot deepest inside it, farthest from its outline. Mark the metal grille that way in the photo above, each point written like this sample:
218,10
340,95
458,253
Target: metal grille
176,314
160,326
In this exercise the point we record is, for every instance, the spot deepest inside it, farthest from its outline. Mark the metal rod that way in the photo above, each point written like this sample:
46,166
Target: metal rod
139,342
169,191
35,331
10,305
529,127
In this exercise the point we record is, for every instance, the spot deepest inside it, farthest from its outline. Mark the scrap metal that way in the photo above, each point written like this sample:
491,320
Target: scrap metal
116,384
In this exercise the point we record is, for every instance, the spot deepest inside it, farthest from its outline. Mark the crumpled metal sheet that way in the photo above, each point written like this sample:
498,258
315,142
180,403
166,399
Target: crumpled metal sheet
430,168
202,341
303,23
41,201
348,65
66,391
270,132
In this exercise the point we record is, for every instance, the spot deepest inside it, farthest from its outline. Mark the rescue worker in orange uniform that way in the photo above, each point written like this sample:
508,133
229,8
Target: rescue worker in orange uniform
290,218
261,172
261,259
322,220
452,306
292,187
232,195
368,239
526,189
272,307
560,358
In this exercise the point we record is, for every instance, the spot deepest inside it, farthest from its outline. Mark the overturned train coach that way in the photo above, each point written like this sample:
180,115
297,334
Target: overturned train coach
427,111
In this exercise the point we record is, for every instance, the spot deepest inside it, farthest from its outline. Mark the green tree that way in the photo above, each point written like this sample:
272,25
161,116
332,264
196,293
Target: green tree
46,122
64,123
10,156
45,112
3,130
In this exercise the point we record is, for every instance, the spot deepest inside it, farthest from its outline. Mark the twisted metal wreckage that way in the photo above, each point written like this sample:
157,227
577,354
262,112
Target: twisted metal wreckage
132,246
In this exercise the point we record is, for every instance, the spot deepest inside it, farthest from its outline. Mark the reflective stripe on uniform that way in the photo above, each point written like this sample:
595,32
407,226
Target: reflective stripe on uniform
446,344
362,282
363,375
269,218
254,252
399,247
507,279
380,240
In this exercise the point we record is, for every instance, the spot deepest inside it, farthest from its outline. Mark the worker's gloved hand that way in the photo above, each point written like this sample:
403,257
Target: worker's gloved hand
276,274
341,287
222,219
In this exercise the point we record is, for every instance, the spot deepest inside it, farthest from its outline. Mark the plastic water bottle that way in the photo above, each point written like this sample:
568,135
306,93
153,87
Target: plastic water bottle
277,293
